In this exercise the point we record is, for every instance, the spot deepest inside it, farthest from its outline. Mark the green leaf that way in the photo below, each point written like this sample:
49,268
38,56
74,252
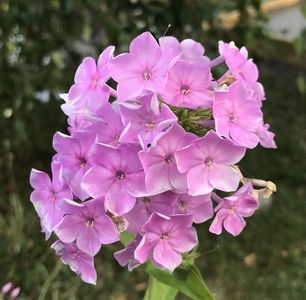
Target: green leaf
187,280
158,290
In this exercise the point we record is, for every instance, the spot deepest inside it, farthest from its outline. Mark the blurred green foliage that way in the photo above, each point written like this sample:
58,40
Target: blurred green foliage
41,44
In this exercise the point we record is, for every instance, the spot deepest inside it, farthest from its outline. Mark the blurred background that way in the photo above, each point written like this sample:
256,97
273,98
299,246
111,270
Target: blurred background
41,45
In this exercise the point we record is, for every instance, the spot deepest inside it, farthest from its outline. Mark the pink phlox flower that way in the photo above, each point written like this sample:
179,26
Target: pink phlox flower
238,63
80,262
234,57
48,196
188,86
6,288
236,117
116,174
89,87
109,127
73,155
231,211
190,50
15,293
165,238
125,257
148,120
208,162
266,137
200,207
162,203
144,68
87,224
160,165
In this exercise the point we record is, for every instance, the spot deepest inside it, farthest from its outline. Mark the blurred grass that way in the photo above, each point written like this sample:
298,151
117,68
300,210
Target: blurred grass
267,261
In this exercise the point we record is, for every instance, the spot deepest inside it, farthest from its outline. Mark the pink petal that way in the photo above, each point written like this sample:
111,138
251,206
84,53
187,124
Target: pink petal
198,183
144,43
130,88
106,230
40,180
88,241
177,180
145,247
187,158
105,156
157,178
164,255
183,240
216,225
97,181
124,67
234,224
86,71
224,178
117,199
106,56
68,229
243,138
87,270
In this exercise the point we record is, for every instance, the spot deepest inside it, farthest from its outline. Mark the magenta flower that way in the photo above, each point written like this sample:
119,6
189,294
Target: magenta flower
108,125
165,238
79,261
231,211
159,162
266,137
147,122
235,58
89,87
48,196
117,174
125,257
162,203
73,155
239,65
88,225
15,293
200,207
188,85
190,50
236,117
144,68
6,288
208,163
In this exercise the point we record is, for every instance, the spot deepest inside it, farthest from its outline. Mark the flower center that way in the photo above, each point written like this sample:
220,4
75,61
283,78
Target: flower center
145,200
75,255
182,204
150,124
185,90
120,175
164,236
147,75
94,82
208,161
232,118
53,196
169,158
83,162
90,221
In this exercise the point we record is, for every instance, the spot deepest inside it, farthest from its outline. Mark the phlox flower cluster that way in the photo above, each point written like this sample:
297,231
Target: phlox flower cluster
133,160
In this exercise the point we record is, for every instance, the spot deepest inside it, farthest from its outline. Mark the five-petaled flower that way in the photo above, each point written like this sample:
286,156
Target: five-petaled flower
165,238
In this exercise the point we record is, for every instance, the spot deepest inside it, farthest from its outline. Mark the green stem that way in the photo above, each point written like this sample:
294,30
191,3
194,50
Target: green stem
158,290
